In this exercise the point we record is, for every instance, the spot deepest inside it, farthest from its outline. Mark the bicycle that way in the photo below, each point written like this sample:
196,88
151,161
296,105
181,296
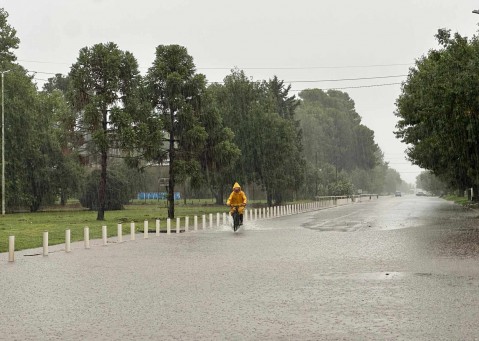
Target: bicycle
236,217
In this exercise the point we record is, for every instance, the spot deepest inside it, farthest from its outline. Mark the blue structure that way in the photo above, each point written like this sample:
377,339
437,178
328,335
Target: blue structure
157,195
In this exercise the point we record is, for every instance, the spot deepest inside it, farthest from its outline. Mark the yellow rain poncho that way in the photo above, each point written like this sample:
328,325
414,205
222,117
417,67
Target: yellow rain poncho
237,198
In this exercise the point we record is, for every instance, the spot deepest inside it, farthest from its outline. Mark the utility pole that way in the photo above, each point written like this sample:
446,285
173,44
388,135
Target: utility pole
3,146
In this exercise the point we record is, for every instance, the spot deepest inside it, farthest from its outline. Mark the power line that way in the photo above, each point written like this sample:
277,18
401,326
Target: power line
334,80
299,81
261,68
354,87
41,62
345,79
305,67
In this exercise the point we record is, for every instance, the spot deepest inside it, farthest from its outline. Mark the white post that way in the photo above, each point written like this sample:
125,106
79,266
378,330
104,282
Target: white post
177,225
211,220
86,237
11,248
132,231
217,219
145,229
168,226
187,222
104,235
67,241
157,227
196,223
45,243
119,229
204,221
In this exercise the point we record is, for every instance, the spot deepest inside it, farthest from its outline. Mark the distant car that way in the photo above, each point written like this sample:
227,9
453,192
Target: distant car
397,194
420,194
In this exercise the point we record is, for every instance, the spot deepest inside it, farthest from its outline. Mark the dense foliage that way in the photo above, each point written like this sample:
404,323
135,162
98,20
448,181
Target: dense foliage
438,111
62,140
341,153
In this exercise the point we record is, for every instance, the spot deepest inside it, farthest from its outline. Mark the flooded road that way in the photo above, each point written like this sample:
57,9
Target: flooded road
404,268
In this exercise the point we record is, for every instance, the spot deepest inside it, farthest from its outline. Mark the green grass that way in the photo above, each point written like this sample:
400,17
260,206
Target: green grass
458,200
28,228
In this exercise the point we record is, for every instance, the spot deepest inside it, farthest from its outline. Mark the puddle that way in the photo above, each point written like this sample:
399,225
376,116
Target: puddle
380,276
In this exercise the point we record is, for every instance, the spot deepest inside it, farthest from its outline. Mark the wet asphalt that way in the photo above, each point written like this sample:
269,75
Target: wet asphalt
403,268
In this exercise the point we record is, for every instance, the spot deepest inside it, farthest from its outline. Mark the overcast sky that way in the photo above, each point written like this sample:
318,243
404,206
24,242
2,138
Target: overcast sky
299,41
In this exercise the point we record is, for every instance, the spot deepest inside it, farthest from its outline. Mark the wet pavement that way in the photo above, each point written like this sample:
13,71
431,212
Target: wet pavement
404,268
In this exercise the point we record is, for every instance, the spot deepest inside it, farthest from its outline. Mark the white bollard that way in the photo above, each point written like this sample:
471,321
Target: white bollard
217,220
157,228
11,248
145,229
168,226
86,237
45,243
187,222
67,241
104,235
119,229
211,220
177,225
132,231
204,221
196,223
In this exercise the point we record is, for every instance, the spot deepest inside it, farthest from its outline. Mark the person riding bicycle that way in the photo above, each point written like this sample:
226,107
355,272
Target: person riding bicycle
237,198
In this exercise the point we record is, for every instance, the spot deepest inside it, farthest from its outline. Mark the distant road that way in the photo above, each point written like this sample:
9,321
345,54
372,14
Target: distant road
397,268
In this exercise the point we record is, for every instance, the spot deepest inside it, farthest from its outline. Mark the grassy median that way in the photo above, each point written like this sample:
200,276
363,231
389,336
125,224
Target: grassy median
28,228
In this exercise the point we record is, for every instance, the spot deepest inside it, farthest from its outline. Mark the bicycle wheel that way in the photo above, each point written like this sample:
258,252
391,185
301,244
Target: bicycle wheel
235,221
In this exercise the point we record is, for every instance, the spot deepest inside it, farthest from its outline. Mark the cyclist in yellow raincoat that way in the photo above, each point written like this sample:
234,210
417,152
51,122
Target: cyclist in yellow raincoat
237,198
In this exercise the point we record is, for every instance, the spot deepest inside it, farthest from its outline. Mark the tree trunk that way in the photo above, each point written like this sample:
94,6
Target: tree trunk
219,196
63,198
171,180
269,198
102,188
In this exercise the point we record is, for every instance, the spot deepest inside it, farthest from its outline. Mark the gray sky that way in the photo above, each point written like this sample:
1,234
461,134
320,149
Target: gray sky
302,40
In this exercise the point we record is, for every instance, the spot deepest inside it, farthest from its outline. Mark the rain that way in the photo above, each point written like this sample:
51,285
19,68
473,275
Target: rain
185,170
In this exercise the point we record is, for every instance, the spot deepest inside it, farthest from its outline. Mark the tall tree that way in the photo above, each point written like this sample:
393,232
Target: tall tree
333,135
8,41
283,165
220,154
104,81
438,111
175,92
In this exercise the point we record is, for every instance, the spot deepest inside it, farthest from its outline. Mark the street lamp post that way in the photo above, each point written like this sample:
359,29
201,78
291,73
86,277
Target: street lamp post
3,147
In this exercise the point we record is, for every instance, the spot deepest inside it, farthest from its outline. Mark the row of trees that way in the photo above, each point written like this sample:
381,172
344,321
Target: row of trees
209,135
438,111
